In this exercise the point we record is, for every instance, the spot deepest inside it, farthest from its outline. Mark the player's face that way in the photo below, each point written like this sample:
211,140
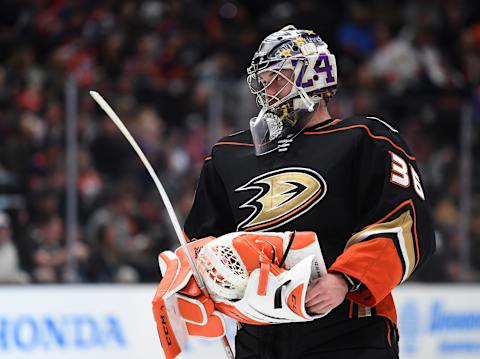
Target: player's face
278,85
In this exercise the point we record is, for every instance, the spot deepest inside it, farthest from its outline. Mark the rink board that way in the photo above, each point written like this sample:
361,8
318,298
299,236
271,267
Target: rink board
102,322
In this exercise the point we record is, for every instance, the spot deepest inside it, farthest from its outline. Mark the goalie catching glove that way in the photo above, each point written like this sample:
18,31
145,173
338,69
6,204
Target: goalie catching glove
254,278
262,278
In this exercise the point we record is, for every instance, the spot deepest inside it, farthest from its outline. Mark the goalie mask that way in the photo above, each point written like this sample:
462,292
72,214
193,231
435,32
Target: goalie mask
289,74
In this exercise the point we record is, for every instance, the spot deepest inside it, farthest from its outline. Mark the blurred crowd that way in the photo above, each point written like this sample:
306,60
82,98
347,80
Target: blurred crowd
174,70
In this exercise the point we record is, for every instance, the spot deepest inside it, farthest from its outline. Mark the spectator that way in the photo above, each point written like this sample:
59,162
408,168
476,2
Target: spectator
50,256
10,271
115,232
417,62
108,258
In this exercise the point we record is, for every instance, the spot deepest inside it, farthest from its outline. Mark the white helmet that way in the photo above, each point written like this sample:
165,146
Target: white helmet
308,71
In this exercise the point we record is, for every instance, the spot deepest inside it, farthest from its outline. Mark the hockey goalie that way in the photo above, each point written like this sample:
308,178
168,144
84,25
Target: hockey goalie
253,278
353,182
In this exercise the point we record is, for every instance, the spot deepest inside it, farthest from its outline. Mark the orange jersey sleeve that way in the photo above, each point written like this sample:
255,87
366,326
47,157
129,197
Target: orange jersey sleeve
395,235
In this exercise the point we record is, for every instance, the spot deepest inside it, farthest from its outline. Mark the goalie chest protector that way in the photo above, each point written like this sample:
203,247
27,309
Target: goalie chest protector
335,179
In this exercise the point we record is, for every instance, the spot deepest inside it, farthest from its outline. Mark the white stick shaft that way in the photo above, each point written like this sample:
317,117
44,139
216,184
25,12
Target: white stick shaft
171,213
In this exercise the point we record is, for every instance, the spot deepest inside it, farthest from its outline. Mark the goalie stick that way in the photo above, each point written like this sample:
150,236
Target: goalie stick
166,201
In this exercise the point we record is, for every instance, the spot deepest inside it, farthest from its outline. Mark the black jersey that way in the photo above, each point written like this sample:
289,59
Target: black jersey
354,182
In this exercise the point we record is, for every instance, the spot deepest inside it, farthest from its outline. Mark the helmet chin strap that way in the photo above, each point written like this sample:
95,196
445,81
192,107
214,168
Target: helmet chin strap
305,101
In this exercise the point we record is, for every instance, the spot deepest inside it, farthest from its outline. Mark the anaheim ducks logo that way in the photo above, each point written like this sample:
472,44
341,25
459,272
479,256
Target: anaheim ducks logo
283,195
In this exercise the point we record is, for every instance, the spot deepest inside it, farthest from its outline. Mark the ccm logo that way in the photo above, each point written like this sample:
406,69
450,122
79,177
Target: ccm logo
165,330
